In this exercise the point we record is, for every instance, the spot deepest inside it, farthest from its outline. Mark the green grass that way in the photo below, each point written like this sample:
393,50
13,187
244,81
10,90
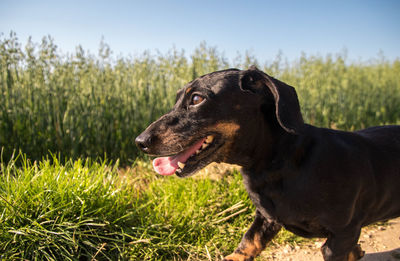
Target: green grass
51,212
82,210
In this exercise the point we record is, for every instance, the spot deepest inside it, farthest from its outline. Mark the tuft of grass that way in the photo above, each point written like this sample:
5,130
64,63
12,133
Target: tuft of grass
50,211
190,217
87,210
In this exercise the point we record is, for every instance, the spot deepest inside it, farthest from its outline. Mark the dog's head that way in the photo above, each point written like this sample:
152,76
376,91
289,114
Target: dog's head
224,116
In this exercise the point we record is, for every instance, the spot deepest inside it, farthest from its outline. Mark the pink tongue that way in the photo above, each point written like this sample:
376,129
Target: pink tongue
168,165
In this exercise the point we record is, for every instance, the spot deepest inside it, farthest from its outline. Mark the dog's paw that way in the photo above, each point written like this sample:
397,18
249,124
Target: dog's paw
238,257
356,254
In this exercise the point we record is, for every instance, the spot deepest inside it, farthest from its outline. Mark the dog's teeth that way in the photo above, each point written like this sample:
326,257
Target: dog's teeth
209,139
181,165
198,151
205,145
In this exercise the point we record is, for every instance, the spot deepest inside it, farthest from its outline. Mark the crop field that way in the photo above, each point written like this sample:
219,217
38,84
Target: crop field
83,105
73,186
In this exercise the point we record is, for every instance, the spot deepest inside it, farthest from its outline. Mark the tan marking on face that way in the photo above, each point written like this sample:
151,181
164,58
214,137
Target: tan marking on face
228,129
188,90
176,142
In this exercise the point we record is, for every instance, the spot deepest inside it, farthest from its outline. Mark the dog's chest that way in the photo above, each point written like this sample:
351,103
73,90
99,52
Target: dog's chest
273,203
268,196
276,201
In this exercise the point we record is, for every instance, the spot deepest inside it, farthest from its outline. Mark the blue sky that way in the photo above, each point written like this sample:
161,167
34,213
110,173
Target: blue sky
363,27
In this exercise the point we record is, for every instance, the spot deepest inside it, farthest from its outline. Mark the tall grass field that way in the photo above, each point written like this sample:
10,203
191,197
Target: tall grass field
73,186
83,105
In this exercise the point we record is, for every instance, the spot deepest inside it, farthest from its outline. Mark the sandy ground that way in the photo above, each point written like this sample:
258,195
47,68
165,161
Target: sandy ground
381,243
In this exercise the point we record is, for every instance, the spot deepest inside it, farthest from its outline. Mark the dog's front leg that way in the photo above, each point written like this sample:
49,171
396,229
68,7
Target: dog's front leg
343,246
255,239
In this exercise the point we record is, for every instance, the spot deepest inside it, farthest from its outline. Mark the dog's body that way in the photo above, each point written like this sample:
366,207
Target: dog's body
314,182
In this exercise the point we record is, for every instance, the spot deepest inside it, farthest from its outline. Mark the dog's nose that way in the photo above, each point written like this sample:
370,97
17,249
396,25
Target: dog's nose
143,141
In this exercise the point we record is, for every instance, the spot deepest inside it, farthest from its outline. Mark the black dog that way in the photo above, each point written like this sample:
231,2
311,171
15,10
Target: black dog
314,182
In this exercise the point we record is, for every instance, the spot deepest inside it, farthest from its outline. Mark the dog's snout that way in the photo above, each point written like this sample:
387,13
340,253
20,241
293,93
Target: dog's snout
143,141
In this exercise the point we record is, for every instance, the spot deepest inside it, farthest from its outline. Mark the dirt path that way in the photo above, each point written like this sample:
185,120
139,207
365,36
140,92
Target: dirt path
381,243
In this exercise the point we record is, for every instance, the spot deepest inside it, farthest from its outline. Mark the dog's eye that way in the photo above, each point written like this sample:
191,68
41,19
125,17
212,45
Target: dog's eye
196,99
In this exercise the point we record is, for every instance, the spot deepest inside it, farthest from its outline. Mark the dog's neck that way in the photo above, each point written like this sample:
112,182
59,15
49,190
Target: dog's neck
273,154
284,150
263,148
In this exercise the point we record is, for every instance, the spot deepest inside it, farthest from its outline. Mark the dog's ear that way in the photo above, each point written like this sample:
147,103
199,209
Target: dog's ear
287,107
252,80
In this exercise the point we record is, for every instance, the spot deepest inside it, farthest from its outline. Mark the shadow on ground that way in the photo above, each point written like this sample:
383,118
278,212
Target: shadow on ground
393,255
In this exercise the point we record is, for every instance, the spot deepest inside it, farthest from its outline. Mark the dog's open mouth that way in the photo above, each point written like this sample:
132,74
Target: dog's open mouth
177,163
